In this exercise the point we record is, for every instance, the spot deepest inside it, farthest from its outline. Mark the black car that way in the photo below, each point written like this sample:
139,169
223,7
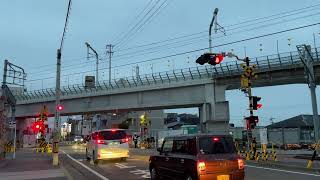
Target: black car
197,157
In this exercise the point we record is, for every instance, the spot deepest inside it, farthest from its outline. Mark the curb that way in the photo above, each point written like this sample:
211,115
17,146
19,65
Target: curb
278,165
307,157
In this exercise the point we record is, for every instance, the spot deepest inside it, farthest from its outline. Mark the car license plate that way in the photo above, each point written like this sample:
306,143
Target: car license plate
223,177
114,143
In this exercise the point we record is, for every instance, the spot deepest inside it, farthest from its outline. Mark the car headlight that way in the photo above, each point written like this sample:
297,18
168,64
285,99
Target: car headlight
81,139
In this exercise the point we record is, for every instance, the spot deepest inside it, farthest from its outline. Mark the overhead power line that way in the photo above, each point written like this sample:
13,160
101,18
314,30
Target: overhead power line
135,18
196,50
137,24
265,19
65,26
168,45
184,36
149,19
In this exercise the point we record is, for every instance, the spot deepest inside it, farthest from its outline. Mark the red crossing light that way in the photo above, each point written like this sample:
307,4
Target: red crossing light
259,106
60,107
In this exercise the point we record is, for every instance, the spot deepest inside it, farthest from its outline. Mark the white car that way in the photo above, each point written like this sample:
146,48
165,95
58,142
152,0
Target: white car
107,144
78,139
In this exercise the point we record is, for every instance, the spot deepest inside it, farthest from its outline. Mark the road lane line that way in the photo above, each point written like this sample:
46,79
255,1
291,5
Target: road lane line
86,167
280,170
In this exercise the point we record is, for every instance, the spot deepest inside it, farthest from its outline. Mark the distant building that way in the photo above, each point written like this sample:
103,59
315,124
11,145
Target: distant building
131,119
295,130
172,118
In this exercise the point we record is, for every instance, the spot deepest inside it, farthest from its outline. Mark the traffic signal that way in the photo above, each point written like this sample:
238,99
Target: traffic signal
210,58
255,104
251,122
216,59
59,107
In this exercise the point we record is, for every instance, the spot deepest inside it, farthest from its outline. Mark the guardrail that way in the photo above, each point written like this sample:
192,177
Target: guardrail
281,61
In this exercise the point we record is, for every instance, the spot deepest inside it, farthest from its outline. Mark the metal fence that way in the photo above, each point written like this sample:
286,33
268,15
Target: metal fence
281,61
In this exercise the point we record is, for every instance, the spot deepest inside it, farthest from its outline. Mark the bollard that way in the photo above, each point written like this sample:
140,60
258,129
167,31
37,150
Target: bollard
310,162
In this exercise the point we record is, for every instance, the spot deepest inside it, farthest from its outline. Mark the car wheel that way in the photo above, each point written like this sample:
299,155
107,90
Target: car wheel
124,159
189,178
94,158
154,174
88,158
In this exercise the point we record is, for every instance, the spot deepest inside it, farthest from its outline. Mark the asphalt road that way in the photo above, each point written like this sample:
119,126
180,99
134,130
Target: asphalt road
136,168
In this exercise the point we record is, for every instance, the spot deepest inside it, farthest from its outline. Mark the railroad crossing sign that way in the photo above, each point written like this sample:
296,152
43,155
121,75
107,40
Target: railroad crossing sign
44,113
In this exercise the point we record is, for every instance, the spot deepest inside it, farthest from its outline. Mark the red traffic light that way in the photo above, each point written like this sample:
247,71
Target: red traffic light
210,58
60,107
219,58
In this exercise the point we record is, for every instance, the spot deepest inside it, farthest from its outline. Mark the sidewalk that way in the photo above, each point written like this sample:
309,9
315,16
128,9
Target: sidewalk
30,165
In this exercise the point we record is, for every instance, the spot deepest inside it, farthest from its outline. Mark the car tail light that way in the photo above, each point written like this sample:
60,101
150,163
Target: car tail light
113,130
240,163
201,167
215,139
100,141
125,140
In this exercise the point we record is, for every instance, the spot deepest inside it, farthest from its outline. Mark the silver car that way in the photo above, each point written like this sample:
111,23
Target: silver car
78,139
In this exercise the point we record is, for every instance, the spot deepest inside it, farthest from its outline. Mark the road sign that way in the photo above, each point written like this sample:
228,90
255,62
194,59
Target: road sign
12,124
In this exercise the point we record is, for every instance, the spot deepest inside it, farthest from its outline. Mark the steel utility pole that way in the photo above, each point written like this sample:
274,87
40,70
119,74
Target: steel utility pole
56,130
57,122
307,59
109,52
97,61
213,21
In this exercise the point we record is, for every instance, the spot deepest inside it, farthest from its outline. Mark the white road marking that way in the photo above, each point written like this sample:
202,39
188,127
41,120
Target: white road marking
123,166
280,170
86,167
145,173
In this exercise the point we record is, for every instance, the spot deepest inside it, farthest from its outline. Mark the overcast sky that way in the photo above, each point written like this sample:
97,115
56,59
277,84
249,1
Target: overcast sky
31,30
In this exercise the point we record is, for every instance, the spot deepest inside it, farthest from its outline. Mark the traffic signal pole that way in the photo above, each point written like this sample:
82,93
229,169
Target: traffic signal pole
307,60
213,21
56,136
247,61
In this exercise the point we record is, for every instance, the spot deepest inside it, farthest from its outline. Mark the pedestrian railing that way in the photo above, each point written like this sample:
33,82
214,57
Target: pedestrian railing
289,60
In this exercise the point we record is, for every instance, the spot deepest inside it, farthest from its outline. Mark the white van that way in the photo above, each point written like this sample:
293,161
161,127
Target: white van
108,144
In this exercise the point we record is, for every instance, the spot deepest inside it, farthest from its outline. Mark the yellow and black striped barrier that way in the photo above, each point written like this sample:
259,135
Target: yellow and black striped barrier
261,154
41,147
8,147
310,162
49,149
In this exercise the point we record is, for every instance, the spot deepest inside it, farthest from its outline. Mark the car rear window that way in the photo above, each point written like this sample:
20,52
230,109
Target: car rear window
112,135
216,145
